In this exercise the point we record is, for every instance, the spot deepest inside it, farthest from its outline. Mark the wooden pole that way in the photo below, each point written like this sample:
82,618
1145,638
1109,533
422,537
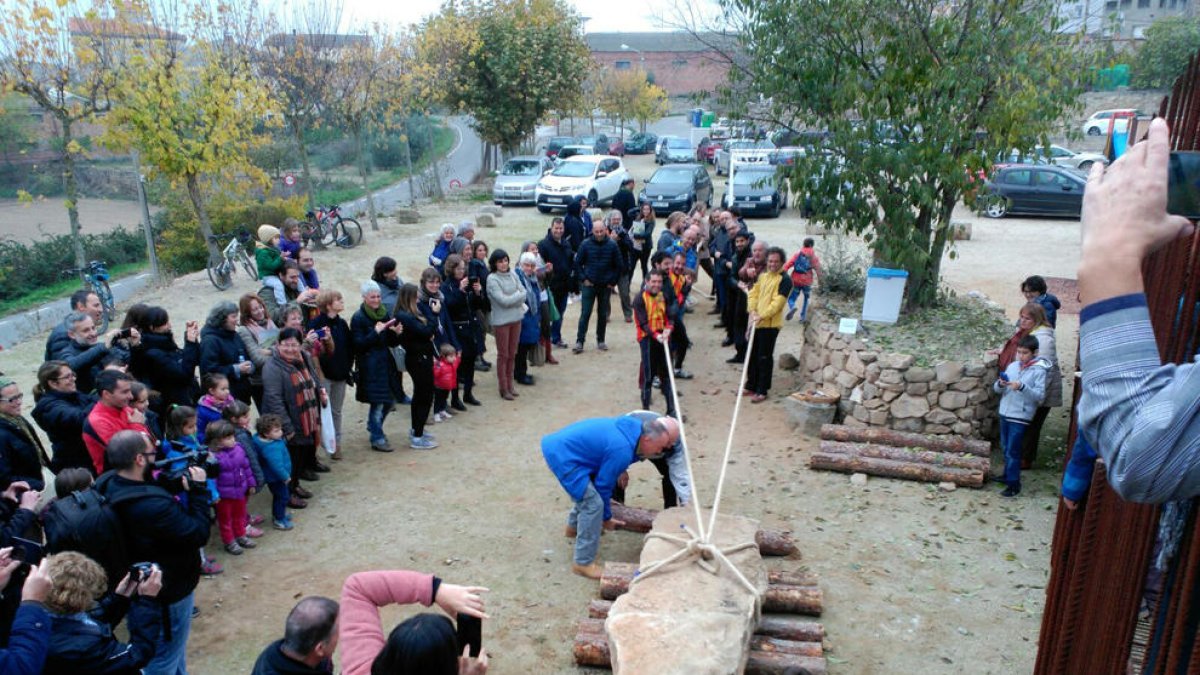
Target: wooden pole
908,454
770,542
905,439
890,468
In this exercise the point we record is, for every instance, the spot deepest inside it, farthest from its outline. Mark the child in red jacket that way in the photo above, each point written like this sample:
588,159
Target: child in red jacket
445,380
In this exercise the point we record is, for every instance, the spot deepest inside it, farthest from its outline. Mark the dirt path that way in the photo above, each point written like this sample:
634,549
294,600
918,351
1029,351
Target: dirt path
914,580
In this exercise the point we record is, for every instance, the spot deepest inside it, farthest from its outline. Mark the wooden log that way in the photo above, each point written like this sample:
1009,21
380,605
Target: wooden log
770,542
591,649
598,609
763,643
792,578
774,663
790,628
782,598
905,439
891,468
947,459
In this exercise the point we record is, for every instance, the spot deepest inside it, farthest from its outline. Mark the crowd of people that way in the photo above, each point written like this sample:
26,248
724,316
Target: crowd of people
167,433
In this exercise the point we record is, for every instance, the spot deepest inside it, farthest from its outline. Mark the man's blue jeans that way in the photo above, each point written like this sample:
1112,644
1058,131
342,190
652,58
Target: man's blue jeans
1012,433
587,517
589,296
720,282
796,291
170,655
375,417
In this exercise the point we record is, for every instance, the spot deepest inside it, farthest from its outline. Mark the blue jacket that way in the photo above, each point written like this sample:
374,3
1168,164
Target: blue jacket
1050,303
577,223
276,463
595,451
531,327
599,262
28,642
1078,476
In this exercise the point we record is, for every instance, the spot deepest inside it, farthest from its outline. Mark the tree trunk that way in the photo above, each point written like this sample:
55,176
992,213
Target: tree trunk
922,291
71,188
305,170
769,663
591,649
206,231
790,628
905,439
914,455
770,542
763,643
412,186
362,174
782,598
895,469
433,160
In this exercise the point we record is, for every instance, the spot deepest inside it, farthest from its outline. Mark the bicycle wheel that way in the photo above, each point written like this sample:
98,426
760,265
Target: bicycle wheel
349,233
312,233
327,230
219,272
106,299
248,265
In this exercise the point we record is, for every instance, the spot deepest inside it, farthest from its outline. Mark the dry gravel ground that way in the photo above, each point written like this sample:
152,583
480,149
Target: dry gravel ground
914,580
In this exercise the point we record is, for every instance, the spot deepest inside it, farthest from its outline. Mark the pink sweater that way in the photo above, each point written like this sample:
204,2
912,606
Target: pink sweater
361,636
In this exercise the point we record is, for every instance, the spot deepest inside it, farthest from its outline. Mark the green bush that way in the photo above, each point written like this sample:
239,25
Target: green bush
179,245
27,266
843,270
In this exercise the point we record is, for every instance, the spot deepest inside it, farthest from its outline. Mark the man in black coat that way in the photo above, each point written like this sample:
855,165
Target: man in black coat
162,530
310,637
625,203
85,301
83,350
556,251
598,266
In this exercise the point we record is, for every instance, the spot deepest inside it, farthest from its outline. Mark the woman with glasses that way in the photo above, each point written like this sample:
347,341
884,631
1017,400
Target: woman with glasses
21,452
61,411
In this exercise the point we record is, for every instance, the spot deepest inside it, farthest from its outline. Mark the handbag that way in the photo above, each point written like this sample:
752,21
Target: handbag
398,355
328,431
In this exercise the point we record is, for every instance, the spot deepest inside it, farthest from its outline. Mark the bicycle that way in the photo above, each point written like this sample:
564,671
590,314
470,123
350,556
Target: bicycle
95,278
221,268
327,226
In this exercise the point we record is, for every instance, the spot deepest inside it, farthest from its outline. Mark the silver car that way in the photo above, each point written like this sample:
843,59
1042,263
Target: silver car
517,179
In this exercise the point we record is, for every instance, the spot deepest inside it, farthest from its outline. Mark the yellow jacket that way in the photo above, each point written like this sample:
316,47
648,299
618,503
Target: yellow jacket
768,296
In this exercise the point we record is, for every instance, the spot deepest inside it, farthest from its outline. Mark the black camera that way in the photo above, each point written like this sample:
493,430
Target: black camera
472,280
176,467
141,571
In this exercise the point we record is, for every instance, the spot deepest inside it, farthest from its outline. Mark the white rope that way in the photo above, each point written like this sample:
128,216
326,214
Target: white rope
737,406
687,453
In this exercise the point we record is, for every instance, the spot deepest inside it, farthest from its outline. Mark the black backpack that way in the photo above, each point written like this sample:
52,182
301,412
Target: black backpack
85,521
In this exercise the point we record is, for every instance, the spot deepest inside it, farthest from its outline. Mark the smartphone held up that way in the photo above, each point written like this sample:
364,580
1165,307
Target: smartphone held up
1183,185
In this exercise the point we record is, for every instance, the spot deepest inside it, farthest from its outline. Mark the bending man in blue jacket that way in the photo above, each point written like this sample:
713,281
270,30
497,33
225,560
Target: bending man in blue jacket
588,457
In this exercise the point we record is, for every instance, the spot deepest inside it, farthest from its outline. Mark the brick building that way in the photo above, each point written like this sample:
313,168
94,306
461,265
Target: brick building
680,62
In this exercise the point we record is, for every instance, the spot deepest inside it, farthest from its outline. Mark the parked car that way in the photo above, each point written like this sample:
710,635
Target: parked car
1055,154
755,191
1099,121
785,156
677,188
616,147
641,143
674,149
556,143
597,177
519,177
573,151
1033,189
706,148
723,157
599,143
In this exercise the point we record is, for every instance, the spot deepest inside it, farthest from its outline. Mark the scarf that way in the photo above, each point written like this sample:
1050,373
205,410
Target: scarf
307,403
677,281
1009,351
27,431
208,401
378,314
656,314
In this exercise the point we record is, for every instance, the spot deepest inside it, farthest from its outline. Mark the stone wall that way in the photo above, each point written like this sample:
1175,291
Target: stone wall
889,390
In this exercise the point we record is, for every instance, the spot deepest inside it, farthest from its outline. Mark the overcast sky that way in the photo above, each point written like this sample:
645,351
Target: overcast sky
603,15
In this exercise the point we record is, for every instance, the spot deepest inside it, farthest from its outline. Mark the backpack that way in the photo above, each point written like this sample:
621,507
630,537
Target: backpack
85,521
802,265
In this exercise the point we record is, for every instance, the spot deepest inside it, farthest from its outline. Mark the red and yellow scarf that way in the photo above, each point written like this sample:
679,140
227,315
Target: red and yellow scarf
656,314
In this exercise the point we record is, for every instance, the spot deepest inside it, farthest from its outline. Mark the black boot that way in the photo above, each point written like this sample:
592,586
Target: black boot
455,401
469,398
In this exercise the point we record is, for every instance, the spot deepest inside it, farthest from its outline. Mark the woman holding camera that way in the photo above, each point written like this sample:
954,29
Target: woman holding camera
337,360
60,411
161,365
463,294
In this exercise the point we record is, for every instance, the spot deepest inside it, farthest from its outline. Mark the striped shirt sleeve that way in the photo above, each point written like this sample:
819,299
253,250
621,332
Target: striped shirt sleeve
1141,415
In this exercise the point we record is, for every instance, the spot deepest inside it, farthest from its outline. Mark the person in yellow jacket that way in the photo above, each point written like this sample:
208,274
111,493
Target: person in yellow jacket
765,302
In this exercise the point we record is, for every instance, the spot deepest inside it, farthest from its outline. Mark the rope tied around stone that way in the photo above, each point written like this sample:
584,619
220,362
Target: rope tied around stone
699,546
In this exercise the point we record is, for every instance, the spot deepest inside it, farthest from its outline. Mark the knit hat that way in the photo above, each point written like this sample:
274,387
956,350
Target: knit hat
267,232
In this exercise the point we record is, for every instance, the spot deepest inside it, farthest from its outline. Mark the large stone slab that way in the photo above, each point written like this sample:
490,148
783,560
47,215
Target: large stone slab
684,620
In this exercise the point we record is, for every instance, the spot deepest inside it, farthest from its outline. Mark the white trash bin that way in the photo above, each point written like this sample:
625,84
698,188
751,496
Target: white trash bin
885,293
